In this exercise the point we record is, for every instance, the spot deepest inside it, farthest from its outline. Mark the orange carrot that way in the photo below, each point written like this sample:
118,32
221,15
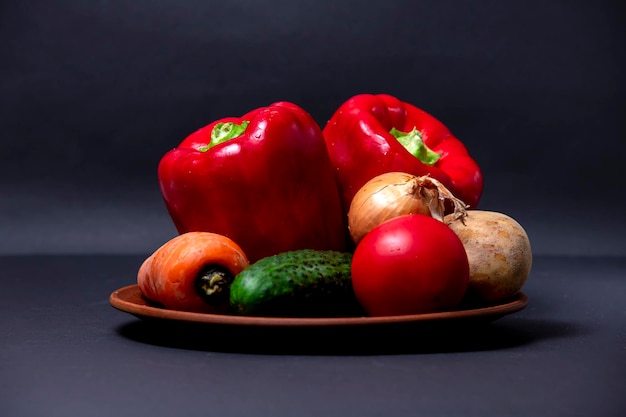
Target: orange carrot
192,272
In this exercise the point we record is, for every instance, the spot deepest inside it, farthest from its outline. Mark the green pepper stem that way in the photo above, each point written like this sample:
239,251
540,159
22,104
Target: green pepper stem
414,143
225,131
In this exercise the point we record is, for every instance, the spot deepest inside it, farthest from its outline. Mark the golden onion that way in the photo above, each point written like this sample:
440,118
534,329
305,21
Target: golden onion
394,194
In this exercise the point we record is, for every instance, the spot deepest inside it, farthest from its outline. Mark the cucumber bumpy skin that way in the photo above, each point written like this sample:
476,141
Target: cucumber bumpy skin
302,283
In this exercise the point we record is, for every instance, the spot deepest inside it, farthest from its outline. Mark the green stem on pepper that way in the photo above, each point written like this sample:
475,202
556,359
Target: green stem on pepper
414,143
225,131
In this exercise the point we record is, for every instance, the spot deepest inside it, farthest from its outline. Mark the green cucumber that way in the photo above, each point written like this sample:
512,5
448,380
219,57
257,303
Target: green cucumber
302,283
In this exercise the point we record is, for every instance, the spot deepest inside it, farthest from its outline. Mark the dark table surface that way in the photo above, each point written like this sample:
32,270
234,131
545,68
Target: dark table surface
67,352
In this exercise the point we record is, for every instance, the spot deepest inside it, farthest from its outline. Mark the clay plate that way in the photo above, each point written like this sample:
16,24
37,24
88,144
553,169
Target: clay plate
130,300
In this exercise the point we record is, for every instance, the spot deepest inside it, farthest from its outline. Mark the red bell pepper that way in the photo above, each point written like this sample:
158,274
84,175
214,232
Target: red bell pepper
372,134
264,180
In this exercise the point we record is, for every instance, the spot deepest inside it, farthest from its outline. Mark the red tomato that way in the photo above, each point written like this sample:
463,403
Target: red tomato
411,264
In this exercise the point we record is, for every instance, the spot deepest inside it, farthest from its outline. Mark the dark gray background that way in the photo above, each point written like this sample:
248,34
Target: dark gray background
93,93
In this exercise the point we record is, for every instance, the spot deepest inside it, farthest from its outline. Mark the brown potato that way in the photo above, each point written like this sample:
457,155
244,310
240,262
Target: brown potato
499,253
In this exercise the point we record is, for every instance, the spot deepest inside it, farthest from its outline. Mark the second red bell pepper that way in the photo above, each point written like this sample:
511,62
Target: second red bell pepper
264,180
372,134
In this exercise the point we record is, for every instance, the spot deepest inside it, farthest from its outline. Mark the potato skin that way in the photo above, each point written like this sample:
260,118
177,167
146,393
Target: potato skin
499,253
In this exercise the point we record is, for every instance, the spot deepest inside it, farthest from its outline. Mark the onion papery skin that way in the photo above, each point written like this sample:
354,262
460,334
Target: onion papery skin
394,194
